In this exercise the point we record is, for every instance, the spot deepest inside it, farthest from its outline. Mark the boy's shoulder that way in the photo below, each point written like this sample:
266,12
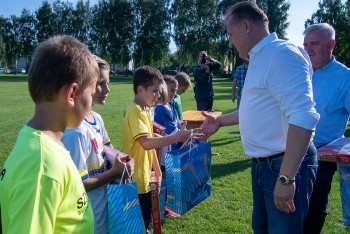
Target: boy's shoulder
96,115
78,137
79,131
33,151
134,110
160,106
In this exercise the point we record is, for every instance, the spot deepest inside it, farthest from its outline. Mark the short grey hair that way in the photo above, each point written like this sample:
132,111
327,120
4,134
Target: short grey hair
323,27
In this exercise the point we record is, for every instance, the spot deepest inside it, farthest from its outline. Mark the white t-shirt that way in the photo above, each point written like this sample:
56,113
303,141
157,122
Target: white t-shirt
85,144
277,92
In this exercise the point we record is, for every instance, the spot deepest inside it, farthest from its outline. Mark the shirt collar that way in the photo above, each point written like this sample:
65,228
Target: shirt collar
327,65
256,49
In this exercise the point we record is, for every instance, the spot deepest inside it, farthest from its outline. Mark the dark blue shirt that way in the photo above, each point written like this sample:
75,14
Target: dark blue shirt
203,80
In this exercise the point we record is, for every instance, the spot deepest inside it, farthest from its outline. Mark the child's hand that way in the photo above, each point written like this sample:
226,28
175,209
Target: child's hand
118,167
198,134
156,135
182,124
188,135
130,166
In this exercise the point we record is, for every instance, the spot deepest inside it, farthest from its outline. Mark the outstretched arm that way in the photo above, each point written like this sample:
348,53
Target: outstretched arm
212,123
148,142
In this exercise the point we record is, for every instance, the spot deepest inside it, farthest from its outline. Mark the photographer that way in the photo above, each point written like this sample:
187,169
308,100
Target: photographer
203,76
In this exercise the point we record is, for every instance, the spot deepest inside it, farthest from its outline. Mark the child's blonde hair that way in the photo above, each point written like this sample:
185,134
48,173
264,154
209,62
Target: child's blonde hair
163,92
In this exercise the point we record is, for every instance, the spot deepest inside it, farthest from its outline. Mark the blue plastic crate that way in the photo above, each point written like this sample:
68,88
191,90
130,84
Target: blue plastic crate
344,172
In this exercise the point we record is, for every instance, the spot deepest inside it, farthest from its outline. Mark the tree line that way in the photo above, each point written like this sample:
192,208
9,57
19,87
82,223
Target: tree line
121,30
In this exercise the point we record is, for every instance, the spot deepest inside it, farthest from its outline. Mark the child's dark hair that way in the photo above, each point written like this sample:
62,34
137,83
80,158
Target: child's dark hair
146,76
183,79
170,80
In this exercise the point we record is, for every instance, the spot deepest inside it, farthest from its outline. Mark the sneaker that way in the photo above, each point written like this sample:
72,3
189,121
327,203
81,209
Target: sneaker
170,214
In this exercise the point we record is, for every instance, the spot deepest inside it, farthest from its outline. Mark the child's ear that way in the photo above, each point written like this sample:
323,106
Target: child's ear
71,93
140,89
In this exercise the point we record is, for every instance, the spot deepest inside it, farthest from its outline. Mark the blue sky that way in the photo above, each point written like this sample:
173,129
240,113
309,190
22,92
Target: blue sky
298,13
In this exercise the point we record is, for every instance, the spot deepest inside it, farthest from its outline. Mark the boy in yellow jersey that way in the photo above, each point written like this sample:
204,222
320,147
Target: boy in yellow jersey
138,140
40,187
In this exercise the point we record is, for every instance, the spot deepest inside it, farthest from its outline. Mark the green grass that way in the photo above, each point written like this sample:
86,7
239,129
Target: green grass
227,210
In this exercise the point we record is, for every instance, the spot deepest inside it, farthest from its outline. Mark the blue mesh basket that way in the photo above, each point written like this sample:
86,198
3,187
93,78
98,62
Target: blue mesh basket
344,172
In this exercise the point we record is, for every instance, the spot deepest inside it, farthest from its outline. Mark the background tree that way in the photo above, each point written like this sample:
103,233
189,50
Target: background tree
81,20
2,43
45,26
27,37
336,14
63,15
121,31
98,41
222,45
153,30
277,12
195,27
11,38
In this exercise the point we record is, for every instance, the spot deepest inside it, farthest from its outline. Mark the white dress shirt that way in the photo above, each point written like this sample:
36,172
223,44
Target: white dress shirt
277,92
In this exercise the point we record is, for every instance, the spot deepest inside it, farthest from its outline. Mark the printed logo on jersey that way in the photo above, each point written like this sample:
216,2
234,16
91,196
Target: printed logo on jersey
82,203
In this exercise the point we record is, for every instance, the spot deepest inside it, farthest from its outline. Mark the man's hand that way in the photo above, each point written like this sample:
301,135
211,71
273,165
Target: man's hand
284,197
233,98
210,125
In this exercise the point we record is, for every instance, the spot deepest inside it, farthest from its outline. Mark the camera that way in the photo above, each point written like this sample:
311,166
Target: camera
204,60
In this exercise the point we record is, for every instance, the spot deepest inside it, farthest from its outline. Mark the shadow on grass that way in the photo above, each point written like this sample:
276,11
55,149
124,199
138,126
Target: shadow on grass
13,78
222,97
221,170
221,142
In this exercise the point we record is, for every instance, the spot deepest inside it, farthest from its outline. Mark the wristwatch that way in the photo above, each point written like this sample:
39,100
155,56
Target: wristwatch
285,180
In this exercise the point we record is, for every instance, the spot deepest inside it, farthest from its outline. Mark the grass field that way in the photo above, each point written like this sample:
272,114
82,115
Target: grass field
227,210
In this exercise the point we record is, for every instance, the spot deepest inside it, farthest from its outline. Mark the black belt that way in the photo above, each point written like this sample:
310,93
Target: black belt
268,159
276,156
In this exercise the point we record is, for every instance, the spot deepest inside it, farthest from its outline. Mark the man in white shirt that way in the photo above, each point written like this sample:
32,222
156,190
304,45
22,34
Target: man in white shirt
277,119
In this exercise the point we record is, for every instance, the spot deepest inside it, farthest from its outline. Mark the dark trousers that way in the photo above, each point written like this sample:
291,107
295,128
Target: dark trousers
146,207
205,103
319,199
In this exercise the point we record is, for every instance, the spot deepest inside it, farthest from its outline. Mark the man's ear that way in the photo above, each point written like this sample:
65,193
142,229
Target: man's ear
71,93
247,26
331,44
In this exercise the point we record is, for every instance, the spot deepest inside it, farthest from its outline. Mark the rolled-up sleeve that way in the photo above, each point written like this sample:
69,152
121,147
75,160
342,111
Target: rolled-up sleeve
293,92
